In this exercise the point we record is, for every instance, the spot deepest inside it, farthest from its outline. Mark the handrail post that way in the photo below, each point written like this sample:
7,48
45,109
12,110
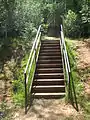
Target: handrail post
35,51
69,87
75,96
68,70
32,58
25,94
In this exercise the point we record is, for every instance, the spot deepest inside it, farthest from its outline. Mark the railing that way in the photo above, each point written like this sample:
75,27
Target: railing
68,72
30,67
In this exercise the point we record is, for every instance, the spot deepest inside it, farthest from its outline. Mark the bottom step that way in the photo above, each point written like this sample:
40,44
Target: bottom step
48,95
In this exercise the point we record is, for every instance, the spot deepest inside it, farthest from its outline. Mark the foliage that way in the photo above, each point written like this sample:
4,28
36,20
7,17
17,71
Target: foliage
55,13
21,18
71,49
72,24
85,17
5,111
81,24
18,84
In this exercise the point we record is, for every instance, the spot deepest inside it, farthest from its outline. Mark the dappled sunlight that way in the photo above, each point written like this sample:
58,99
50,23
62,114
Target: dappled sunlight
83,51
51,38
51,110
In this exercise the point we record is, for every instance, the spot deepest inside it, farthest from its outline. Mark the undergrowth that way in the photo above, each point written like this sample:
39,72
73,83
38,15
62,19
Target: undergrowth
5,111
71,49
20,50
79,77
19,81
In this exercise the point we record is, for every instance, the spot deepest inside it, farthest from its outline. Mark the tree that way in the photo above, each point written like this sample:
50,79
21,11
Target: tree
85,17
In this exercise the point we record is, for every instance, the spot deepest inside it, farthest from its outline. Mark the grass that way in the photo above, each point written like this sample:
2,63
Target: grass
18,84
5,111
79,77
17,49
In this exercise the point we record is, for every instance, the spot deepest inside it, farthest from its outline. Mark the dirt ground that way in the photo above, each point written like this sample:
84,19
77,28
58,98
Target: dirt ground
50,110
83,50
5,82
58,109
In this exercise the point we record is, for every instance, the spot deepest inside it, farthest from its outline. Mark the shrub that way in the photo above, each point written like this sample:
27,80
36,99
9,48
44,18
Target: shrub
72,25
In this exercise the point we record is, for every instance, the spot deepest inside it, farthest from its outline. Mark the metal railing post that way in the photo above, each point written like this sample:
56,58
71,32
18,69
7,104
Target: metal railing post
32,57
71,89
75,96
25,94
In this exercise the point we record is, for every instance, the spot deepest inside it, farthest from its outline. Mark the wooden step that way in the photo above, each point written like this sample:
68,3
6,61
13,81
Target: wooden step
50,50
49,70
57,65
48,82
50,53
48,95
50,41
49,76
49,61
48,89
52,47
50,44
50,57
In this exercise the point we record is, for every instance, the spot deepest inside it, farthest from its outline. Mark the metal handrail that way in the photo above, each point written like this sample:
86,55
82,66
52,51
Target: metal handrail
67,67
33,57
64,52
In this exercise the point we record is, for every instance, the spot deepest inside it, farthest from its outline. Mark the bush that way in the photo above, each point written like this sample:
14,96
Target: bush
72,25
85,19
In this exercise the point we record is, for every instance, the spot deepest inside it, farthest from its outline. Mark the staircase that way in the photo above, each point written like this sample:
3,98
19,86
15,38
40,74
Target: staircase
44,74
49,77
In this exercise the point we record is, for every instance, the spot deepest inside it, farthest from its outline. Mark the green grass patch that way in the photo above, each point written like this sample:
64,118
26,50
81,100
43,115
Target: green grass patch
19,81
18,84
71,49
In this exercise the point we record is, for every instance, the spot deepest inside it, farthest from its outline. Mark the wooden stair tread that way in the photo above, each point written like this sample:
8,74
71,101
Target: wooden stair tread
48,95
50,86
51,60
49,74
48,61
49,77
50,56
49,65
50,42
51,47
50,50
49,80
49,68
48,89
52,53
63,93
